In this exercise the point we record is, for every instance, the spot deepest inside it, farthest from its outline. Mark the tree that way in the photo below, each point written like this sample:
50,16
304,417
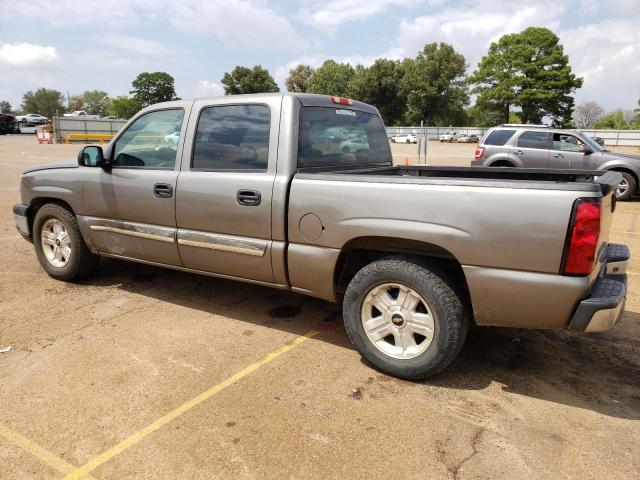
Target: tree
434,86
123,107
332,78
150,88
528,70
76,103
299,77
379,85
587,114
44,102
615,120
5,107
96,102
248,80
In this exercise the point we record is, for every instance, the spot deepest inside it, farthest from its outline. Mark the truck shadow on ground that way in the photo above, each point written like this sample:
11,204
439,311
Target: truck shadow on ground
598,372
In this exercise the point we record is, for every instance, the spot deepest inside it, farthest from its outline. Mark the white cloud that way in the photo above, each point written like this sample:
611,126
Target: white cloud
244,23
137,45
328,15
605,54
237,23
27,54
206,88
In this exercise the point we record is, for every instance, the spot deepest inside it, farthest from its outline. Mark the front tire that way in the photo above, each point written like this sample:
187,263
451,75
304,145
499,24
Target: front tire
405,317
59,245
627,188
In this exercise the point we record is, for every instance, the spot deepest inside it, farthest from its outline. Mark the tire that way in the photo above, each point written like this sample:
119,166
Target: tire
345,149
444,305
408,141
627,187
79,262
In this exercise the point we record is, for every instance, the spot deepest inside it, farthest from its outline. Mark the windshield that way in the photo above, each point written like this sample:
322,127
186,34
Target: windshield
337,136
595,146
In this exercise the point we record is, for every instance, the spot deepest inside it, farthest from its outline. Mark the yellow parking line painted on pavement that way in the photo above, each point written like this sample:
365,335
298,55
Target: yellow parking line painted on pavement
185,407
37,451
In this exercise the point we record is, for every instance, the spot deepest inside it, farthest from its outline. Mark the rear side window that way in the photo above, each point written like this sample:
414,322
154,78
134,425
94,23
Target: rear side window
232,137
534,139
498,137
332,137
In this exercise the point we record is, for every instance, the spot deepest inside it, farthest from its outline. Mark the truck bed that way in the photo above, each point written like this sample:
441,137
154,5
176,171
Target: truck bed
506,177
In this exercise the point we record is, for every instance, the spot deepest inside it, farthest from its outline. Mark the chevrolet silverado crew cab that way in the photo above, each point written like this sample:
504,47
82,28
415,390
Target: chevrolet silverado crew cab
257,188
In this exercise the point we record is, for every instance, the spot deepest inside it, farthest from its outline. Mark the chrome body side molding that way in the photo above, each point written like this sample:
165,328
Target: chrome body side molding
226,243
132,229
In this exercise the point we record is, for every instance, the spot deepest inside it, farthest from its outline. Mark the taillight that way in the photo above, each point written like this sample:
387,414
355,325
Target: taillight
342,101
479,152
582,241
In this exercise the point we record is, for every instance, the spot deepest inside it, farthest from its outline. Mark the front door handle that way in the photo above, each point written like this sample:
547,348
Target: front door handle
558,155
518,152
162,190
250,198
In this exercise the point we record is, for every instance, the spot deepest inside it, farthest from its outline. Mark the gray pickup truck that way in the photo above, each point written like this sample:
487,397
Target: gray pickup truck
260,188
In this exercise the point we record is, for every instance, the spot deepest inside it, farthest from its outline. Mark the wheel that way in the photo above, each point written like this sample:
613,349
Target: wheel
627,187
59,246
408,141
345,149
405,317
393,141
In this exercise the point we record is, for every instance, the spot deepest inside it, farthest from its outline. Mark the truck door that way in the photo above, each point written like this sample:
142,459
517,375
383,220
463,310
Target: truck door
567,152
223,206
130,208
532,149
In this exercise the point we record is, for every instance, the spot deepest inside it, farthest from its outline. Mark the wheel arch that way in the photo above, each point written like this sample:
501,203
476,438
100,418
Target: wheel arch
37,203
361,251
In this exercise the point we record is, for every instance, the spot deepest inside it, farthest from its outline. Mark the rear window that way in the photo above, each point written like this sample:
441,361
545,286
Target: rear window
498,137
534,139
338,136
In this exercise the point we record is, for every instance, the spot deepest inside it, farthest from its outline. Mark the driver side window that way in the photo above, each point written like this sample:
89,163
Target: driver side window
150,142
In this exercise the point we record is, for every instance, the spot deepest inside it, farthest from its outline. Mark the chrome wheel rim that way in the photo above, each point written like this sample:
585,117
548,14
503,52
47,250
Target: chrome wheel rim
55,241
397,320
623,186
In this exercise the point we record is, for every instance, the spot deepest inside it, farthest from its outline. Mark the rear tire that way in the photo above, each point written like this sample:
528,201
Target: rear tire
405,352
627,187
60,248
502,163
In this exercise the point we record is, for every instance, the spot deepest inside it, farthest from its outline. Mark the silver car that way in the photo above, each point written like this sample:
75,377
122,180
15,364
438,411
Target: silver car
534,146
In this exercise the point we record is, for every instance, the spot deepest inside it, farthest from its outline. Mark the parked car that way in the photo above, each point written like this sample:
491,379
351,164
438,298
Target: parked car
468,138
81,114
532,146
354,144
109,117
404,138
413,254
448,137
28,128
32,118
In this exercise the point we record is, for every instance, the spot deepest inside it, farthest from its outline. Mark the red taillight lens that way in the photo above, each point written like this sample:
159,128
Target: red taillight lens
580,253
479,152
342,101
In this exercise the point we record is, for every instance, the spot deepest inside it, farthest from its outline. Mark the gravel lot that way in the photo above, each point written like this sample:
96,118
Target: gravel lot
142,372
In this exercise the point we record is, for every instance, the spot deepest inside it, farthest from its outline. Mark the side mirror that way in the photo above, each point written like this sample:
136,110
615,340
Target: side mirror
586,150
92,156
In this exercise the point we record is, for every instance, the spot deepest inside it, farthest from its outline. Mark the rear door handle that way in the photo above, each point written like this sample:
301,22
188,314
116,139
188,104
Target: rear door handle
518,152
558,155
250,198
162,190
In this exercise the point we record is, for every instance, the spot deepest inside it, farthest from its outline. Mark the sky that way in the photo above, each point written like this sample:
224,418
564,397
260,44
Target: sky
73,46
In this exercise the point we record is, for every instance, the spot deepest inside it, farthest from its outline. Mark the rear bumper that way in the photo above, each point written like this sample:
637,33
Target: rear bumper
21,216
604,306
